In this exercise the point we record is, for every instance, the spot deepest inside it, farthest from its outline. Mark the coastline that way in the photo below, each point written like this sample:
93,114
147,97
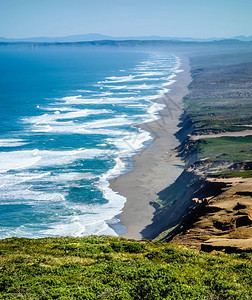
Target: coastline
152,165
211,199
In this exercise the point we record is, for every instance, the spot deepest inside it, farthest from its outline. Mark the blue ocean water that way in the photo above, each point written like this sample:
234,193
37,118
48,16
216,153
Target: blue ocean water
67,121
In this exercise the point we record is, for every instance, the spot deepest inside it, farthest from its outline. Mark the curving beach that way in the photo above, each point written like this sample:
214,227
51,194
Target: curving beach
155,167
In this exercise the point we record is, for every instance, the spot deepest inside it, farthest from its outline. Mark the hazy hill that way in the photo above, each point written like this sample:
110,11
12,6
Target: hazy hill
99,37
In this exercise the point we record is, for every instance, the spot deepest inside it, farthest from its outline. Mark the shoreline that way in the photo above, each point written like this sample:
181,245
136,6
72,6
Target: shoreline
148,177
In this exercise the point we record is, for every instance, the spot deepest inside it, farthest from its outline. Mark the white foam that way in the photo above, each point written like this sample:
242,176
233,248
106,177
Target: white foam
78,129
51,118
92,127
138,105
68,228
18,187
60,108
64,177
106,94
155,107
23,194
13,179
85,91
117,87
168,83
119,78
131,78
80,226
71,97
14,160
163,92
12,142
171,76
106,100
131,142
92,218
178,71
52,158
107,123
143,86
144,73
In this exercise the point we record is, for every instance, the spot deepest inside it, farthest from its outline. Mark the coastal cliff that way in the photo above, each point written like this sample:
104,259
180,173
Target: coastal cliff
210,203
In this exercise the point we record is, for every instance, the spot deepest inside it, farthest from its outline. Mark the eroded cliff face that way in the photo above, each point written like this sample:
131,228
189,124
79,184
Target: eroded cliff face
223,222
180,201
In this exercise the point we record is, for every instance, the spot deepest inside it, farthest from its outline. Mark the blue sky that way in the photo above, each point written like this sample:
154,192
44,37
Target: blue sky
196,18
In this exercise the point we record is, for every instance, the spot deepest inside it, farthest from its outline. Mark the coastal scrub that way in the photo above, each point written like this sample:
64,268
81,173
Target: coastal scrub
115,268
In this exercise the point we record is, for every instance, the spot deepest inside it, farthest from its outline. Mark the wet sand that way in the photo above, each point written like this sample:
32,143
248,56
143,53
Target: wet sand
155,167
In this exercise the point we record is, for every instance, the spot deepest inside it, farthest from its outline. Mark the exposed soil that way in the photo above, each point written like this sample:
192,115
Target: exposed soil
223,222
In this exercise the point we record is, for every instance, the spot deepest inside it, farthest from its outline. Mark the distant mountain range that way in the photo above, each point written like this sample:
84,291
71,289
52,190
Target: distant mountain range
100,37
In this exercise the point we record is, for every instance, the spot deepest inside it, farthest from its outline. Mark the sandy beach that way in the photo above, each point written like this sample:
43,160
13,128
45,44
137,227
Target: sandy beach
155,167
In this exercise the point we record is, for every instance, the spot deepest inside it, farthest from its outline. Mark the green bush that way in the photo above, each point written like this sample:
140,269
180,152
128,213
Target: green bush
116,268
128,247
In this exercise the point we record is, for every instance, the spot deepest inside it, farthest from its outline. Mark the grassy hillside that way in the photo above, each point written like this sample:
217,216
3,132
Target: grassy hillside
219,114
219,101
116,268
229,149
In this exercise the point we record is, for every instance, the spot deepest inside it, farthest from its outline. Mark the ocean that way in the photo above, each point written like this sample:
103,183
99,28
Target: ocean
68,121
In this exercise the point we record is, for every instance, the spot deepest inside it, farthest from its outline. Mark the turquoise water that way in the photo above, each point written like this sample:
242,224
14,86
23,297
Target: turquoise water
67,121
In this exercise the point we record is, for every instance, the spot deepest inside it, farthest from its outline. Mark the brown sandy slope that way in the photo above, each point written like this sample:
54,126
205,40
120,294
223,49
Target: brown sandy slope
223,222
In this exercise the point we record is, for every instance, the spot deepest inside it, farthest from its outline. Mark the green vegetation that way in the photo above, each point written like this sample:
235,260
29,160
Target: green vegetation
116,268
233,149
218,115
222,150
219,101
230,174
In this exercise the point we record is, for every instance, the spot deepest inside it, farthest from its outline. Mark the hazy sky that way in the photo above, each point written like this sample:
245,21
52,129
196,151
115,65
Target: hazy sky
196,18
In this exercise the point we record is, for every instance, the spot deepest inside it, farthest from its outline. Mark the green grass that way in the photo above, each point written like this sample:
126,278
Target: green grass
237,149
219,101
219,114
116,268
224,149
230,174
